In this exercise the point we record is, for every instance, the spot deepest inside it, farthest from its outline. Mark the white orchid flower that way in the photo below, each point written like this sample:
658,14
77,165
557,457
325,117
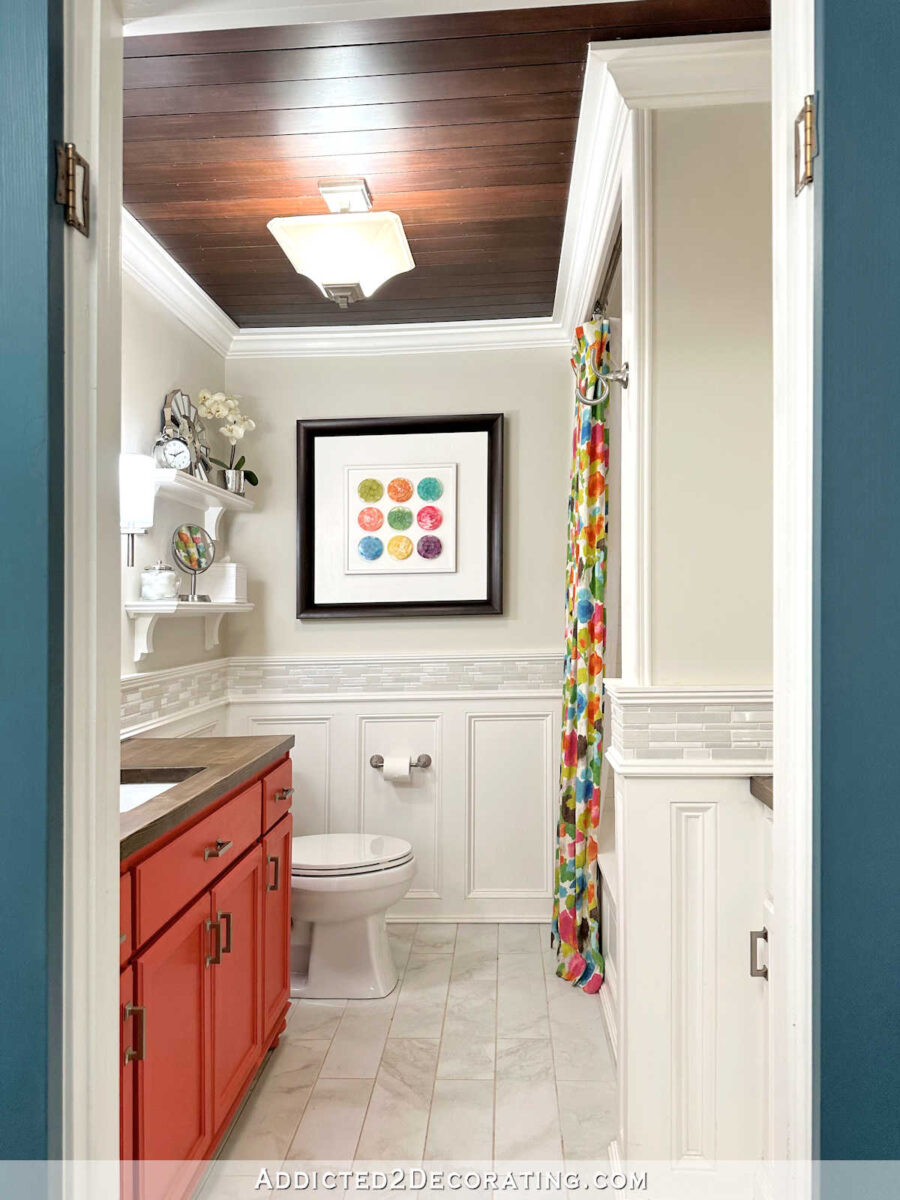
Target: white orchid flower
203,395
233,432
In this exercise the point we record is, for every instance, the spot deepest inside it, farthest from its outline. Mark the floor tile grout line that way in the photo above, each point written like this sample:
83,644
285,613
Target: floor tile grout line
400,981
440,1044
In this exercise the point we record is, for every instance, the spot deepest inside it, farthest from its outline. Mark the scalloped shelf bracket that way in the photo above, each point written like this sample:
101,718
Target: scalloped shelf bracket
146,615
197,493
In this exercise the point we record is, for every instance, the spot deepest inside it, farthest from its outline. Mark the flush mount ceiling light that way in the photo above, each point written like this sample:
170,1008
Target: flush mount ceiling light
350,251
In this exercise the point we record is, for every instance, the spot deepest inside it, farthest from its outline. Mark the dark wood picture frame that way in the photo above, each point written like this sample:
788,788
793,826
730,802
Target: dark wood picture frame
308,432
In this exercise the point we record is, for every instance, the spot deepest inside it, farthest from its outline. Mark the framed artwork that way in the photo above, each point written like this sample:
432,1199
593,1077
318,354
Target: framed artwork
400,516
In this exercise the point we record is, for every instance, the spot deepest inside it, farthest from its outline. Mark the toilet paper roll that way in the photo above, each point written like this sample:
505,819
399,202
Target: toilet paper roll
396,767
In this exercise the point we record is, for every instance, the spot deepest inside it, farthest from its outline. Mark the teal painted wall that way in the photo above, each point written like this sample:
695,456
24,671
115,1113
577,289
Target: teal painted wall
857,1066
31,667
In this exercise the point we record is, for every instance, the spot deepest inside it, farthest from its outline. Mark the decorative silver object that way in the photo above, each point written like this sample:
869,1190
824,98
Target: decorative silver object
194,552
234,482
182,443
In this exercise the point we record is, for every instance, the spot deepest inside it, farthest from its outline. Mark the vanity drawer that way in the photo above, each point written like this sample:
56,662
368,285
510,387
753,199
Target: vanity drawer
168,879
278,794
126,934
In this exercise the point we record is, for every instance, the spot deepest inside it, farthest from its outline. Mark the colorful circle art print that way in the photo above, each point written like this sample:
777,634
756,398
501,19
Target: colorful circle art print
370,548
430,517
429,547
399,490
400,518
400,547
430,488
370,519
370,490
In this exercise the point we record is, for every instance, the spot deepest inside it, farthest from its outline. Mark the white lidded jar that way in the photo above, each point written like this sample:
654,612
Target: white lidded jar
159,582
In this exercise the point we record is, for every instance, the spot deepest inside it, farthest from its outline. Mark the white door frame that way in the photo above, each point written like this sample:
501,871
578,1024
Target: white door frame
791,969
90,986
90,994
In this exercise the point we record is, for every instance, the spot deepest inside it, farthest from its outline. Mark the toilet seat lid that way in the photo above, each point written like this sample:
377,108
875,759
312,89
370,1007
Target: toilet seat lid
336,852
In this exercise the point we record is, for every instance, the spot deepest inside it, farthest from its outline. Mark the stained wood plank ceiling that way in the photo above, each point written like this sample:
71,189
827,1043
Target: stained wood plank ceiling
463,124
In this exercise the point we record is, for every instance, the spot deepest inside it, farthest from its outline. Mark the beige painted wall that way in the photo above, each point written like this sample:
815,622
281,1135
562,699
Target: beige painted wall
532,387
711,418
159,353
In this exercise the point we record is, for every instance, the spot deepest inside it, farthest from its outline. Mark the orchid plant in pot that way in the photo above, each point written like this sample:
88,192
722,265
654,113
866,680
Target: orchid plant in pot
220,407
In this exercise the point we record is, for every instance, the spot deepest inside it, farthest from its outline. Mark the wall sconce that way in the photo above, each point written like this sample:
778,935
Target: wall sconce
137,494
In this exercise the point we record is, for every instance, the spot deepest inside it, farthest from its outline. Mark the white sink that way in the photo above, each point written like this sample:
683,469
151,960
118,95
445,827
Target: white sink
131,795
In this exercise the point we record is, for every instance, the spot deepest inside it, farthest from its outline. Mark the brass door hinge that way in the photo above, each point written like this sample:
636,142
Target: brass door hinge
805,144
68,165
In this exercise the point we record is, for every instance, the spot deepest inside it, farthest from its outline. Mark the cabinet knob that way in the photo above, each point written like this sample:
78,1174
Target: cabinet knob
757,936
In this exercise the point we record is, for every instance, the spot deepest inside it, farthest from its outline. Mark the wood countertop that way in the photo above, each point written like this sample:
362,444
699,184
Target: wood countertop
202,770
762,787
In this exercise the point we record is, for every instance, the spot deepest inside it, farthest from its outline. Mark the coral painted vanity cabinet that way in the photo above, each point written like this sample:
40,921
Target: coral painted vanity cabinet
206,987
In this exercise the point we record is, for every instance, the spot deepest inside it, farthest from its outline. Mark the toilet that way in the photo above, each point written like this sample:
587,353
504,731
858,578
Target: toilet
342,884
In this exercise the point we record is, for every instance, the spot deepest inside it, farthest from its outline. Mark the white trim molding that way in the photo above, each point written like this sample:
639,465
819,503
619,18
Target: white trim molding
145,260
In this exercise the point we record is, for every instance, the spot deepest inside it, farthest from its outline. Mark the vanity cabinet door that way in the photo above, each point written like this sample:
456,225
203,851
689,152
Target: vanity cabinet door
174,1118
277,922
236,981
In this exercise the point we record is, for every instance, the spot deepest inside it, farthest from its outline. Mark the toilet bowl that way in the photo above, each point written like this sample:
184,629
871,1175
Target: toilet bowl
342,884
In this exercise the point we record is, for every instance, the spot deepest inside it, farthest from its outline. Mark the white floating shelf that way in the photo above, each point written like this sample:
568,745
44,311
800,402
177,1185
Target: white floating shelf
145,614
196,493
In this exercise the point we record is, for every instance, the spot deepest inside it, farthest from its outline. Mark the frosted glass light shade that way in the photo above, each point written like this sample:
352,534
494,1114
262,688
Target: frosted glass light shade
137,492
345,252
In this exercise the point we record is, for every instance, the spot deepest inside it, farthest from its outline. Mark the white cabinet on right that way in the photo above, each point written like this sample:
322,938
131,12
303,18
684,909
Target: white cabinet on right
693,859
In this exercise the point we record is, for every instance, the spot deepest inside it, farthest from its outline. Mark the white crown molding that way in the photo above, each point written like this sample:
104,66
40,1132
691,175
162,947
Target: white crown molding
427,338
728,68
185,16
144,259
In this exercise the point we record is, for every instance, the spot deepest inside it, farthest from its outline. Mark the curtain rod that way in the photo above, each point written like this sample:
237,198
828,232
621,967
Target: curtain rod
612,265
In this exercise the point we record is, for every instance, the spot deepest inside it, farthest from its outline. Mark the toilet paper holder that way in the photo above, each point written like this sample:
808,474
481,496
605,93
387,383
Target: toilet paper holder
423,761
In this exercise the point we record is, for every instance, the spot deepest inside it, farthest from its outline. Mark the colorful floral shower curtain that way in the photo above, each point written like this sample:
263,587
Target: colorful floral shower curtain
576,908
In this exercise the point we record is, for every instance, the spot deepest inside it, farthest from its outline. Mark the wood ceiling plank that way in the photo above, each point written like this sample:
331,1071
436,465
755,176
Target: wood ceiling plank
452,158
277,69
426,250
336,93
497,203
291,121
516,227
475,24
419,284
373,141
218,190
407,317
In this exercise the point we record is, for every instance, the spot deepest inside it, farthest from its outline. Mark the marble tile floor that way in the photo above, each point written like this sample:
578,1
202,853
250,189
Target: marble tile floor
480,1055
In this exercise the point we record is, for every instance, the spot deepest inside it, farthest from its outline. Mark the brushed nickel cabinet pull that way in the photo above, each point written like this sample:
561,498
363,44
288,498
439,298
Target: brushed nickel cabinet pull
226,918
283,794
273,858
217,850
136,1010
757,936
213,960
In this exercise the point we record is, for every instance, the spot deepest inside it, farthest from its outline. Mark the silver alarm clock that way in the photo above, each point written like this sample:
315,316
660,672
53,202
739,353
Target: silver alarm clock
181,444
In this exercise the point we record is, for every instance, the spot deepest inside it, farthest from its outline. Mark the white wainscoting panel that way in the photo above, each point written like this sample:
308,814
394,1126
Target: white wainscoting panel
405,809
509,805
481,818
311,766
694,867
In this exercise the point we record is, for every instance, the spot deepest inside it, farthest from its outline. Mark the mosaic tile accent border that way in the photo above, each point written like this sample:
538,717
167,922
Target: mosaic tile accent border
406,675
159,696
155,697
711,725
